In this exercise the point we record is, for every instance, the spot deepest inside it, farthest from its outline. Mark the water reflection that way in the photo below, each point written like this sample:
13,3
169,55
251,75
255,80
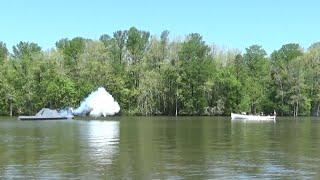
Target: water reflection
103,139
160,148
272,149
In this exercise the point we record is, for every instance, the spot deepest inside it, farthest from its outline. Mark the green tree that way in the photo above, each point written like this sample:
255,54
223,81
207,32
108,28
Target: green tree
312,77
105,38
22,75
164,39
243,98
71,49
151,75
148,93
194,57
7,92
298,98
120,38
137,43
3,52
25,50
226,90
258,72
280,71
59,91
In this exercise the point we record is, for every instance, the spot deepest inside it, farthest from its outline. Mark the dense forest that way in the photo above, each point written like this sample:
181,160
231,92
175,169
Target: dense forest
152,75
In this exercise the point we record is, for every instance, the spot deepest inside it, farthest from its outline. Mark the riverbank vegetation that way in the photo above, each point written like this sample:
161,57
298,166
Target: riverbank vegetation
151,75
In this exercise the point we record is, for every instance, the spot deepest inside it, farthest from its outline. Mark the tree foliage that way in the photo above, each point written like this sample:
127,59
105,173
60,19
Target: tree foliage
3,52
154,75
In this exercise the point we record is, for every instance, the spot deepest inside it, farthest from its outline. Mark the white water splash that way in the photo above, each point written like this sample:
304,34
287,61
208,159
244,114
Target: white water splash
98,103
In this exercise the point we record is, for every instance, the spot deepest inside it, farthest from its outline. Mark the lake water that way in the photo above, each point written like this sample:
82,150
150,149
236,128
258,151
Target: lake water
159,148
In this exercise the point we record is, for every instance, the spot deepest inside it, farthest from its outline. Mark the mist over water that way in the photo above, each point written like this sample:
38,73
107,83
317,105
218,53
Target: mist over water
98,103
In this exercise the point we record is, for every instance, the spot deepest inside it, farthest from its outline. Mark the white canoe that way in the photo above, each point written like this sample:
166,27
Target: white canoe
252,117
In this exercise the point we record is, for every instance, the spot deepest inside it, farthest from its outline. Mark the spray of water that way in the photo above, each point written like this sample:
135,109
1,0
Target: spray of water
98,103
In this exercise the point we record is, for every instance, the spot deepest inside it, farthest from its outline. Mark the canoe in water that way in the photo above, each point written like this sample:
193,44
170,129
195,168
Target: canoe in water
252,117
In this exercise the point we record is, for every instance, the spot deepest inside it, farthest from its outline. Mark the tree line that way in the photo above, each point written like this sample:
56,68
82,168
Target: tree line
151,75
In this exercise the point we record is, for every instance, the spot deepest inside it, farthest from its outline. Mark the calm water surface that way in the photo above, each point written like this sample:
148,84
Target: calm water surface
159,148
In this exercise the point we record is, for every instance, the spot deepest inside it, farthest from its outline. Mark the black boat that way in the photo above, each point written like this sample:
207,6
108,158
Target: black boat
47,114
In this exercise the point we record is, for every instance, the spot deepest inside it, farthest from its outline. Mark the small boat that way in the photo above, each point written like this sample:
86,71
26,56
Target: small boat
252,117
46,114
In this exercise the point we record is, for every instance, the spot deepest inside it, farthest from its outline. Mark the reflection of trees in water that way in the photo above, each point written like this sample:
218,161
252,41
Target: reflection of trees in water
39,149
168,147
160,148
283,149
58,149
214,148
